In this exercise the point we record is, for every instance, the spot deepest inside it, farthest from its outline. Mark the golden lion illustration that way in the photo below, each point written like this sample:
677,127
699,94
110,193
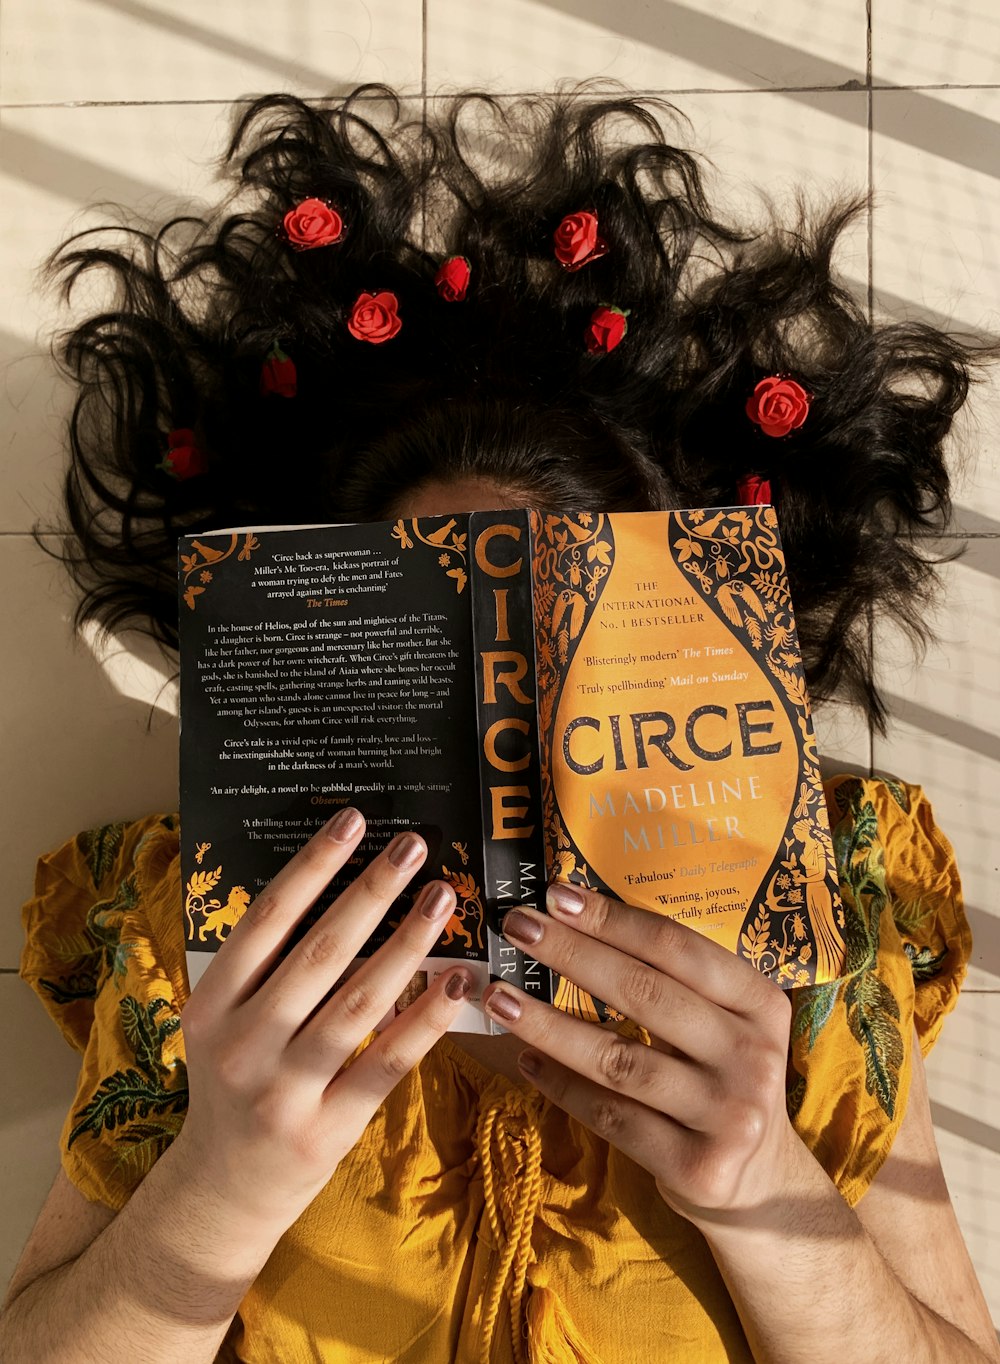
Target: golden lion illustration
224,916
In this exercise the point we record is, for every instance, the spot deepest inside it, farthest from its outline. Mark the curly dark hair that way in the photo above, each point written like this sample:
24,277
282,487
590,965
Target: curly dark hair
500,386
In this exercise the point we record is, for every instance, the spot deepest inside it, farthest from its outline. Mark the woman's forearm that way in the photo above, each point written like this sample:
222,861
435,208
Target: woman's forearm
809,1283
162,1282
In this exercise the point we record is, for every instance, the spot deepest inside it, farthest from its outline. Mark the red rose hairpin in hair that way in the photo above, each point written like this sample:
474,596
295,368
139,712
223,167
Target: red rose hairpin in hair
577,242
314,222
606,328
278,374
753,491
452,279
778,405
375,317
184,457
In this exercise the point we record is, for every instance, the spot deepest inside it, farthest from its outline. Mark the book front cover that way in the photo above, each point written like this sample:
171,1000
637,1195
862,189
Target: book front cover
679,762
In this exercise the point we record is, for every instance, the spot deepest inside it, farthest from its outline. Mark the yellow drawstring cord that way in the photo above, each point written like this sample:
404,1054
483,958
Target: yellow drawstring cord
510,1127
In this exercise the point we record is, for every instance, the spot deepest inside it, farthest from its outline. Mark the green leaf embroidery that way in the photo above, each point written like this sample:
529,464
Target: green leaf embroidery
68,989
813,1010
872,1014
142,1144
857,938
104,918
795,1093
898,794
871,1008
122,1098
100,848
910,915
844,793
145,1036
132,1094
71,947
865,826
120,960
923,964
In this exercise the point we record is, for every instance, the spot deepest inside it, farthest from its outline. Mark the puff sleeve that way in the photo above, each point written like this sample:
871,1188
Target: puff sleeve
908,947
104,951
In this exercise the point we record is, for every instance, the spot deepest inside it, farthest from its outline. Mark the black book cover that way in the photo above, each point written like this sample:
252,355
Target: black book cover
327,666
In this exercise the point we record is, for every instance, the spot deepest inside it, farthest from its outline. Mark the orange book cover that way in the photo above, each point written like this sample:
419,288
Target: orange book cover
678,760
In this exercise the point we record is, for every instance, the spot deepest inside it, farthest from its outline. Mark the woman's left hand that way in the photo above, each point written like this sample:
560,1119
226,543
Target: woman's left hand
703,1108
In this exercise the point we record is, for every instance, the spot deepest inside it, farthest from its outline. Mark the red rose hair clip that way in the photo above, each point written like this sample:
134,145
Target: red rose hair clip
375,317
452,279
184,457
314,222
778,405
607,326
577,242
753,491
278,374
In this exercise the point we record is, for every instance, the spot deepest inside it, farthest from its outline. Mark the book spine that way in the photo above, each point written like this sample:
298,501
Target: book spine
507,724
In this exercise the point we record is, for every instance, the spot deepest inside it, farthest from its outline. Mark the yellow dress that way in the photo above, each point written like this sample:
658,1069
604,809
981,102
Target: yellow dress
474,1221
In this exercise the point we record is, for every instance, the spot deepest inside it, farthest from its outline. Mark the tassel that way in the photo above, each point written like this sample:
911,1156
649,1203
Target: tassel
552,1337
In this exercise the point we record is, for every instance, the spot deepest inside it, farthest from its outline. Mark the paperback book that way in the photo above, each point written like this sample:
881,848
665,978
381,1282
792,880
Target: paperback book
613,699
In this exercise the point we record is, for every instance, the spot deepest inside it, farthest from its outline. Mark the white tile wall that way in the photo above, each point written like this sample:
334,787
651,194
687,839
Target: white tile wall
515,45
111,51
936,158
126,100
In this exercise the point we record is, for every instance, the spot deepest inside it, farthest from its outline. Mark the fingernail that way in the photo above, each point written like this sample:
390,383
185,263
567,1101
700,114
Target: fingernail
519,928
560,899
344,825
503,1005
529,1063
406,851
459,986
434,900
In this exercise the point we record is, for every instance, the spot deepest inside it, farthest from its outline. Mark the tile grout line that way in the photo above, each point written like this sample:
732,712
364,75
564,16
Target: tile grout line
846,88
871,161
423,54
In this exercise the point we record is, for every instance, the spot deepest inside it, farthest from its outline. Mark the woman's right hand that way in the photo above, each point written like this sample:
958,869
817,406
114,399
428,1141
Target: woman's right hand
271,1115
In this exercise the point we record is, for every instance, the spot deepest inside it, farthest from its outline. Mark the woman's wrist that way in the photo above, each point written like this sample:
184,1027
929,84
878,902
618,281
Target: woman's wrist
161,1282
212,1239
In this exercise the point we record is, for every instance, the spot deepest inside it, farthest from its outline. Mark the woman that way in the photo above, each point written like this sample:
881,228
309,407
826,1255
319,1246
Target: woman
733,1174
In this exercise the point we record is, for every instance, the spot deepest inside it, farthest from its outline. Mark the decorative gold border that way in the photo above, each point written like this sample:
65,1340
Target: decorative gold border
205,555
793,931
438,540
